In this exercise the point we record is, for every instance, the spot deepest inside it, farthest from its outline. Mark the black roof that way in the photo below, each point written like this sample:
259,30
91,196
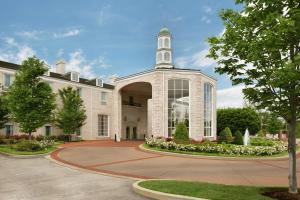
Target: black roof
84,81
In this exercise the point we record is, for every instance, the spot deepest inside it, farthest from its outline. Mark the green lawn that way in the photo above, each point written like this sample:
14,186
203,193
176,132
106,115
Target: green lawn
214,154
207,190
7,149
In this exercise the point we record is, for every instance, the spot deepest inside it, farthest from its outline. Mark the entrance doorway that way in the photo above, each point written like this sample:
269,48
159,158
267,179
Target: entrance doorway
131,133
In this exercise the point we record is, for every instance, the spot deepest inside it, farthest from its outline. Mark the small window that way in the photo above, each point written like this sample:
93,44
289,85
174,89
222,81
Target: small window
48,130
159,57
9,129
160,43
167,56
75,76
99,82
103,98
167,43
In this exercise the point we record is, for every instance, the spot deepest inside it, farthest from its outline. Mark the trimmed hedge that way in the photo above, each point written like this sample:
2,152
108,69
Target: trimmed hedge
238,119
225,136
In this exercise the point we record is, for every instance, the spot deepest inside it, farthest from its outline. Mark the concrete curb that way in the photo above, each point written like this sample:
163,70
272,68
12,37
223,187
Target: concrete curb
160,195
25,156
142,148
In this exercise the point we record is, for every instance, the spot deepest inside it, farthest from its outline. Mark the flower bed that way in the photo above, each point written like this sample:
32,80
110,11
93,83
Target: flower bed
227,149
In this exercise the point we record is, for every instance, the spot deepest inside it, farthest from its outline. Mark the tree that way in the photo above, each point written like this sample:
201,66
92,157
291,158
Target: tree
238,138
225,136
30,99
3,112
260,49
72,114
181,132
274,125
238,119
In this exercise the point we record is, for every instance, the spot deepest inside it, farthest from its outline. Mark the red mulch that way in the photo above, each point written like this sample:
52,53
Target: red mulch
282,195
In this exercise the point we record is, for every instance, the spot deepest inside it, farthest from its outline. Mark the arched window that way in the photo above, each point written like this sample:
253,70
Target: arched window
159,57
167,43
167,56
160,43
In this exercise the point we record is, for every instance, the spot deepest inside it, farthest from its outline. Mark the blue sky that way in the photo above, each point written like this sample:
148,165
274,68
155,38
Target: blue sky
116,37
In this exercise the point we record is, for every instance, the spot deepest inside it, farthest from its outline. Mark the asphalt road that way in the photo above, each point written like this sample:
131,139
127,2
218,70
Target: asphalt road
42,179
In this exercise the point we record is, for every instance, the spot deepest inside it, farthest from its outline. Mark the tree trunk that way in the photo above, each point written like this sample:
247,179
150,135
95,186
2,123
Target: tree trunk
292,156
29,135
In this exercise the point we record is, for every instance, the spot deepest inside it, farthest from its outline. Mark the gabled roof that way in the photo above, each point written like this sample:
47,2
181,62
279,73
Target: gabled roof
65,77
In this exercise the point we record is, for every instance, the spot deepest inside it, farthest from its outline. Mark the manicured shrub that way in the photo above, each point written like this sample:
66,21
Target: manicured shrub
27,145
238,119
64,137
261,141
39,137
225,136
261,133
181,132
51,137
238,138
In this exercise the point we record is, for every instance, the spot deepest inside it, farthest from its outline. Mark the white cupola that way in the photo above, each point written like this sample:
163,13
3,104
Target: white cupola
164,50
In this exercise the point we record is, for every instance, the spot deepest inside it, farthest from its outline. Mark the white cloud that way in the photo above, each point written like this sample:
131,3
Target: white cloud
69,33
197,60
205,19
15,52
230,97
30,34
207,9
79,63
60,53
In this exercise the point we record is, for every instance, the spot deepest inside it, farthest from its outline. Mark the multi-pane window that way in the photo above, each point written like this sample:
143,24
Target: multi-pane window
207,110
103,98
102,125
48,130
9,129
178,103
8,78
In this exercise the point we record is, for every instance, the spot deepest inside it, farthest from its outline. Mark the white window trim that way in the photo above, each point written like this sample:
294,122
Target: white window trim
108,127
99,82
75,73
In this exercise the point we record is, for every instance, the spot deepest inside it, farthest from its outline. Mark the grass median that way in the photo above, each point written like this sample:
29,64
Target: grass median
212,191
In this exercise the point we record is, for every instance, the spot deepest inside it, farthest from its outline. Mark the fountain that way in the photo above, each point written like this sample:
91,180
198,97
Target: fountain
246,138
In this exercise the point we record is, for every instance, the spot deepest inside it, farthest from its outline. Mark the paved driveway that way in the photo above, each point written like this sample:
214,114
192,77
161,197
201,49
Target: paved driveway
126,159
41,179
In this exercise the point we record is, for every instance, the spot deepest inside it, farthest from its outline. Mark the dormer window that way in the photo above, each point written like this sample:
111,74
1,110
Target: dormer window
99,82
75,76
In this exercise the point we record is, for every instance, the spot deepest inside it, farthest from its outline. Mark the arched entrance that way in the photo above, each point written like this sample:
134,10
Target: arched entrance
136,111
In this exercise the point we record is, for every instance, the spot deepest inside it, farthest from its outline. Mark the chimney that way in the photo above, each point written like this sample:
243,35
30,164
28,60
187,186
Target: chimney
60,67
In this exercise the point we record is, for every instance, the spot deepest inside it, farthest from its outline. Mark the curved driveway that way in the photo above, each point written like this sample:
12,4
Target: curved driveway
126,159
